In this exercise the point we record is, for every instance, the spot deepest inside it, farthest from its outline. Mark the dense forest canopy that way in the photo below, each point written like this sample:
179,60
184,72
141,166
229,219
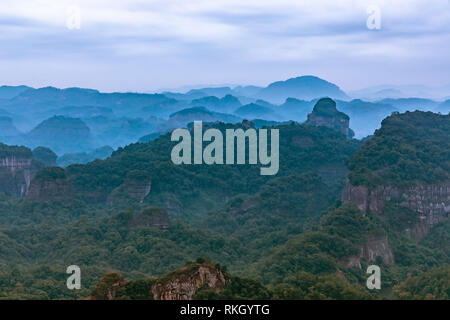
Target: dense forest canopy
408,149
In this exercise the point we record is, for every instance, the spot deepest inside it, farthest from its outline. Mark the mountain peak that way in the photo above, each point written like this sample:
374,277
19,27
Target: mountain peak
303,87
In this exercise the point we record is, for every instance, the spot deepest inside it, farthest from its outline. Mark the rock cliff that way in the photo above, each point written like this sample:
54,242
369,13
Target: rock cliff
137,189
430,202
181,284
16,170
51,184
325,114
376,246
184,283
107,287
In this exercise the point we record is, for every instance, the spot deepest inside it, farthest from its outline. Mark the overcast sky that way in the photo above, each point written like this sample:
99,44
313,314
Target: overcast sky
131,45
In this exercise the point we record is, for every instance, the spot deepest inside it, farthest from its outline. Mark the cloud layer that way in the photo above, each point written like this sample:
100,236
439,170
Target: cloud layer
146,45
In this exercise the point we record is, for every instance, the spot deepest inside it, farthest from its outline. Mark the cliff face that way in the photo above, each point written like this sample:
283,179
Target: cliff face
51,184
376,246
325,114
430,202
184,286
15,174
137,189
107,287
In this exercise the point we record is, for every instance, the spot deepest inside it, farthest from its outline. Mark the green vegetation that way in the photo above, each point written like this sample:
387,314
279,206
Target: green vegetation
45,155
431,285
408,149
16,151
281,237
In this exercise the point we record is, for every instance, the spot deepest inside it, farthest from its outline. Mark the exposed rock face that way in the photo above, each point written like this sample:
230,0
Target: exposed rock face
107,287
51,184
325,114
431,202
137,189
376,246
184,286
16,172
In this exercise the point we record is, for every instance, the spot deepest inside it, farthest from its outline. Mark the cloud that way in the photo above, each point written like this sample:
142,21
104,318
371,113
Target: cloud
255,40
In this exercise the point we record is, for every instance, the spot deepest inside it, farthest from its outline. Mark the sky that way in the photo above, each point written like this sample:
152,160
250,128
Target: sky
144,46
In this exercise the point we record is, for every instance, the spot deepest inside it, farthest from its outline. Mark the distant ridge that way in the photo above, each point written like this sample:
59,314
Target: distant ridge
303,88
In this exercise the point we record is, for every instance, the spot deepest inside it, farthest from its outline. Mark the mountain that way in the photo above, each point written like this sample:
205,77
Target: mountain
326,114
315,149
296,235
218,92
61,134
9,92
83,111
303,88
255,111
365,116
411,104
45,155
84,157
294,109
394,169
247,91
181,118
379,92
50,98
7,128
119,131
226,104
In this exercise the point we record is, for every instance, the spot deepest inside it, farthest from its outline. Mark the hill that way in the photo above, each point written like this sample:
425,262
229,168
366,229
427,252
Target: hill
396,154
254,111
303,88
7,128
61,134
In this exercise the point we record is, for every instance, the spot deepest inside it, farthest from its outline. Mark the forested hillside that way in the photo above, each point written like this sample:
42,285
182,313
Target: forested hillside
287,236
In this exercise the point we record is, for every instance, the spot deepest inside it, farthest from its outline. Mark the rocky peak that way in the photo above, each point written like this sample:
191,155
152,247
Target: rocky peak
107,287
376,246
325,114
16,170
184,283
430,201
181,284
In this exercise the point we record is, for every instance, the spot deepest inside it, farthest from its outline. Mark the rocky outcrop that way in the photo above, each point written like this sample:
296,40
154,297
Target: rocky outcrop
107,287
430,202
325,114
137,189
51,184
184,283
16,170
181,284
376,246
